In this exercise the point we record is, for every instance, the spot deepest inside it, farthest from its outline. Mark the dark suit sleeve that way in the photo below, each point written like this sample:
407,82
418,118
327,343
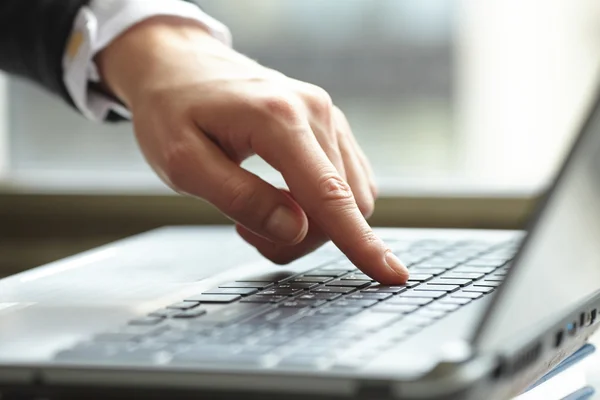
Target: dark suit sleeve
33,36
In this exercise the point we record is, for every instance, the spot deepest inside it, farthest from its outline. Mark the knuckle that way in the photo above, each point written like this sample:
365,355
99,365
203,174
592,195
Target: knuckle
281,106
334,189
366,240
339,114
342,134
320,103
240,196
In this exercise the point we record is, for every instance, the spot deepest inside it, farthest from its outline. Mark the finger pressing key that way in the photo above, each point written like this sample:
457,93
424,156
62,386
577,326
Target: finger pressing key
328,200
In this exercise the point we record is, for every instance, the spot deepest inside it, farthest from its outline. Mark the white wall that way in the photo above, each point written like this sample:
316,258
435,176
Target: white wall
526,70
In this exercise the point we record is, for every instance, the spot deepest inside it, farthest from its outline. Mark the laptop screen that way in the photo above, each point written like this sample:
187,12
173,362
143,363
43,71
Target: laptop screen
559,264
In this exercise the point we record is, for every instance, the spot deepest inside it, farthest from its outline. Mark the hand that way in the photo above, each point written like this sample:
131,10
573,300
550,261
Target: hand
200,109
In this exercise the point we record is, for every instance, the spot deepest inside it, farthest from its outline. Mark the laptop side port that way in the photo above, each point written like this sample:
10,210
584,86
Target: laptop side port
526,358
582,319
560,336
593,316
571,328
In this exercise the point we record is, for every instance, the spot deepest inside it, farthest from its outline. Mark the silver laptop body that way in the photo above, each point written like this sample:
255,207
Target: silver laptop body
113,322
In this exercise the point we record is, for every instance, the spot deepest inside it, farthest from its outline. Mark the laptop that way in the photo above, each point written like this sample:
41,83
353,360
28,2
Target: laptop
190,312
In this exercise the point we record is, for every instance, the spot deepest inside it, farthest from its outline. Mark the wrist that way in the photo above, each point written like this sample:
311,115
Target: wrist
142,52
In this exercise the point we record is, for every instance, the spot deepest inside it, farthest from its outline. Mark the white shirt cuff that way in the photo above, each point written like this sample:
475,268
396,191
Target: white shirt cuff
97,25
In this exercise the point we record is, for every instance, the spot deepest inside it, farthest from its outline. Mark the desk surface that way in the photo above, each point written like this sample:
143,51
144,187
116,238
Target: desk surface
592,369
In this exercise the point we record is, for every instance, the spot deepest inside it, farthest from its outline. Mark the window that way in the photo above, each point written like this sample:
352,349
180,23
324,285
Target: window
436,91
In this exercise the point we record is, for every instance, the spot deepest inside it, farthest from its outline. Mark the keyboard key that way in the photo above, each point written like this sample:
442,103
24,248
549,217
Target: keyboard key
443,288
259,298
482,262
464,268
234,313
333,289
194,313
339,310
349,283
297,285
419,301
447,307
433,271
369,296
329,273
442,281
323,321
312,279
280,292
354,303
462,275
273,277
455,300
164,313
384,289
458,254
485,282
420,277
430,295
468,295
319,296
146,321
243,284
184,305
479,289
431,313
495,278
396,308
437,263
425,266
414,320
240,291
411,284
299,303
431,244
357,277
215,298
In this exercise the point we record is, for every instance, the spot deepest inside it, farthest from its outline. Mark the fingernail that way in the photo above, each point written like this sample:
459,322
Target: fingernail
283,224
395,264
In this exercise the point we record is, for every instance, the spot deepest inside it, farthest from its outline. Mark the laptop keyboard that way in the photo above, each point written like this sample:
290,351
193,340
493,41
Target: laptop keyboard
320,318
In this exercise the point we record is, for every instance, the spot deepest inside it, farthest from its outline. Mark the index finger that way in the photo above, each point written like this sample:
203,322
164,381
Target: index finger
327,199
